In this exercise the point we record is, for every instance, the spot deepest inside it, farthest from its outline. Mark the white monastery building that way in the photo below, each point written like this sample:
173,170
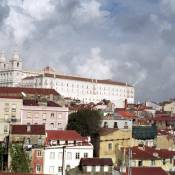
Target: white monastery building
75,87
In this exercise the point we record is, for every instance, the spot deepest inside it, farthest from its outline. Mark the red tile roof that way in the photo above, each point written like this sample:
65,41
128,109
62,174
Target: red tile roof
9,173
63,135
11,91
81,79
150,153
31,102
146,171
126,114
96,161
164,118
22,130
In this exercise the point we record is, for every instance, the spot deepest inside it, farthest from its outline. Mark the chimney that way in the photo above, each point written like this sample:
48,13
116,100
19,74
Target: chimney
28,127
126,104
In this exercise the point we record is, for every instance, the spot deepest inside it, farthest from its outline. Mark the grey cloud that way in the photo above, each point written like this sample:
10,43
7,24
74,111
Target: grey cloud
136,44
4,11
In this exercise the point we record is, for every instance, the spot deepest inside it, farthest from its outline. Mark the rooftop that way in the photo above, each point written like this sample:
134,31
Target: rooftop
146,171
17,91
96,161
24,130
67,135
69,77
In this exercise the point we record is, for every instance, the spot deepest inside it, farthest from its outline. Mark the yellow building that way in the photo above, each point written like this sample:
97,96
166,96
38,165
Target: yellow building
111,140
9,113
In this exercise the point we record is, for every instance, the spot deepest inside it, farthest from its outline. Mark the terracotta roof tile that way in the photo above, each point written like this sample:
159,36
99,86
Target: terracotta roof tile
16,91
63,135
96,161
146,171
22,129
69,77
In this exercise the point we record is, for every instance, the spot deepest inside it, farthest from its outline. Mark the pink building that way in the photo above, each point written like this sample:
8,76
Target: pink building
49,113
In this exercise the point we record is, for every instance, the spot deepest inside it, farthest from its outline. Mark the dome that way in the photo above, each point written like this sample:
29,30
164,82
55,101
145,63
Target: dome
2,57
16,56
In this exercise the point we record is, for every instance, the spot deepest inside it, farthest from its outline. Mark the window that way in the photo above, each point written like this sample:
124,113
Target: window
140,163
85,155
13,107
38,153
51,169
13,119
38,168
40,140
52,115
60,169
77,156
105,125
115,125
152,162
89,169
52,125
52,155
60,156
68,167
29,115
106,169
97,168
69,156
28,141
109,146
5,128
126,125
44,116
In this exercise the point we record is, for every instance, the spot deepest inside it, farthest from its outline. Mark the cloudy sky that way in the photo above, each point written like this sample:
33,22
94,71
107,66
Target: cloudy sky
125,40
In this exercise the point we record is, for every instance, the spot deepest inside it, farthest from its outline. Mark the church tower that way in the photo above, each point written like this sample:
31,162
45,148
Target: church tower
16,61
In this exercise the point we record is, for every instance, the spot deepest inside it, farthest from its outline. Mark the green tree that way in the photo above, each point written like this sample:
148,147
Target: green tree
20,161
86,122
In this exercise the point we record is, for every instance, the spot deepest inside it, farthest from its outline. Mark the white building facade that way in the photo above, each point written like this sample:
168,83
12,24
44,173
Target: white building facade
64,151
84,89
11,71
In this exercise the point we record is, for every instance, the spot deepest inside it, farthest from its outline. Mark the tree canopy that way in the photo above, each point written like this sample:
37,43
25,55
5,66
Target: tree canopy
20,161
86,122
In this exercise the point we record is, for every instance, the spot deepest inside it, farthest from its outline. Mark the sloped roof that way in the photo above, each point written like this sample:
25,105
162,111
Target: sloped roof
63,135
96,161
32,102
146,171
6,91
126,114
150,153
22,130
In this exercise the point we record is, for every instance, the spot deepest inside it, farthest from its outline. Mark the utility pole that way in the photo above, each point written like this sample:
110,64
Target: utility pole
63,171
130,161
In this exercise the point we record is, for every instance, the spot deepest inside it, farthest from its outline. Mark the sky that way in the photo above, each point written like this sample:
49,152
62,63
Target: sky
125,40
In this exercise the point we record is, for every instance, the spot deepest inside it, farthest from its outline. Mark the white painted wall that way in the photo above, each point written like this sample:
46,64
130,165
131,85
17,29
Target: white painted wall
68,160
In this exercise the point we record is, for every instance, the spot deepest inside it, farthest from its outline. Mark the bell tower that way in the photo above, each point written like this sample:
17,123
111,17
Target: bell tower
16,61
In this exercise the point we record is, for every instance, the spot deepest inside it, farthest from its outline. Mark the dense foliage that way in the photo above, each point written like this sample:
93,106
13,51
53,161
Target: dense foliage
86,122
20,161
